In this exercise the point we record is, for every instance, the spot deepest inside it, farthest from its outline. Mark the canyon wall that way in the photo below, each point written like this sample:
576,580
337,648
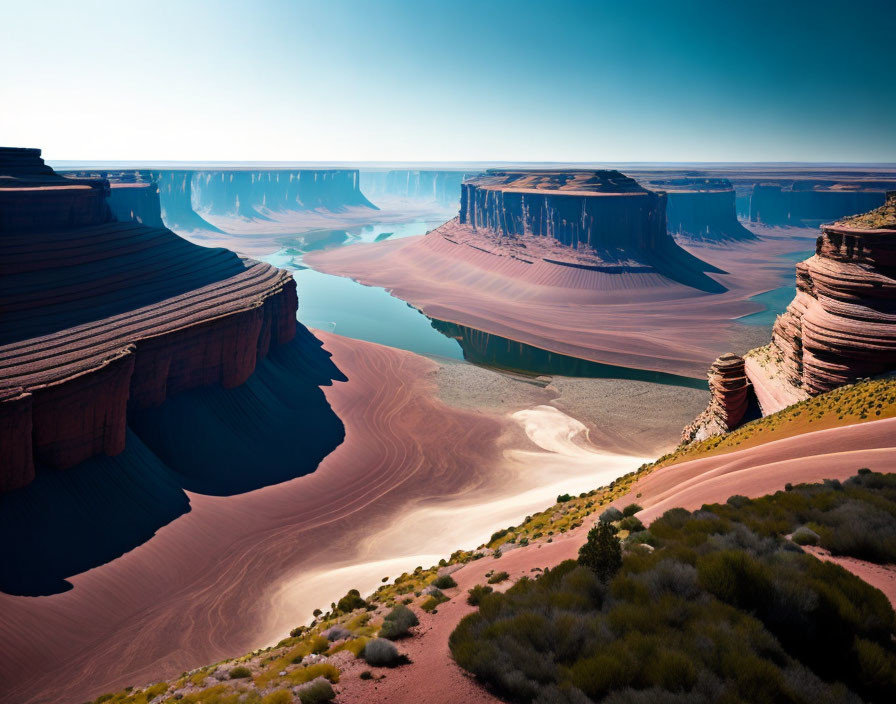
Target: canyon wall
841,326
808,201
702,209
101,317
433,186
250,194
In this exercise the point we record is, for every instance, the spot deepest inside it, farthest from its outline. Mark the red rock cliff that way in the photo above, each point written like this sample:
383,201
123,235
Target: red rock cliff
730,390
841,326
98,316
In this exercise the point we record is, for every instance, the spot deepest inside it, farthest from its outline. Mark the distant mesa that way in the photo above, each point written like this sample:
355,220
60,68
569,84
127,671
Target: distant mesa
101,317
603,220
840,327
800,202
702,210
439,187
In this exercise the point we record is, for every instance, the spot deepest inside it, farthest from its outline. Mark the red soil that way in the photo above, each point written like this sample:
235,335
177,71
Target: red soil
204,587
434,678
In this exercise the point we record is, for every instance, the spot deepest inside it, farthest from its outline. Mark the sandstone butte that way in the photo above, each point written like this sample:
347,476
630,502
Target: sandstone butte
702,209
840,326
100,316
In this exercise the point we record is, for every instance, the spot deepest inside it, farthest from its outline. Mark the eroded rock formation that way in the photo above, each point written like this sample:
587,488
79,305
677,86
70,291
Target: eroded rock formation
702,209
841,326
99,316
730,389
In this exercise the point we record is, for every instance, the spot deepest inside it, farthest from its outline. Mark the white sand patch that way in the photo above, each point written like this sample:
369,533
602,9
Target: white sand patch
529,481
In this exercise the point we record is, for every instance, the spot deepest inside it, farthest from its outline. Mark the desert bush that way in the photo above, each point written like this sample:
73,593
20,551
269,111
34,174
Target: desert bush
398,622
351,601
805,536
241,672
475,595
631,524
435,598
563,498
380,652
498,577
611,515
280,696
446,581
336,633
316,691
723,609
631,510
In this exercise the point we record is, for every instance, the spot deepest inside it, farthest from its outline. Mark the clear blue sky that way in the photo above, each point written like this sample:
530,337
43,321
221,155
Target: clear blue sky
422,80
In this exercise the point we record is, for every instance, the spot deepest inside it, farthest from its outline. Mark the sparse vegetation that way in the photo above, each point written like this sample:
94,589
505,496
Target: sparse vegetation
382,653
398,623
238,673
498,577
476,594
446,581
351,601
725,609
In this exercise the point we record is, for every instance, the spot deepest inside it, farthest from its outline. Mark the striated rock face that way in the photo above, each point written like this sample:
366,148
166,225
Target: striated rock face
440,187
100,316
730,390
702,209
604,210
601,220
841,326
781,204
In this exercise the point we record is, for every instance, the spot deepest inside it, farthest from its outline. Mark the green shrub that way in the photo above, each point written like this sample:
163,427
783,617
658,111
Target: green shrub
435,598
316,692
240,672
563,498
631,524
805,536
475,595
631,510
380,652
611,515
351,601
446,581
498,577
398,622
601,551
280,696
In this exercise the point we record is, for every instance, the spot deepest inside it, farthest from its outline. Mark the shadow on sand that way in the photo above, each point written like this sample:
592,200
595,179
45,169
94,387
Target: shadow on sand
275,427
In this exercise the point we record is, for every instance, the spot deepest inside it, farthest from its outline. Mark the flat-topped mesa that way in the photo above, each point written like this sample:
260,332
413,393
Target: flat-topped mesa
730,391
811,201
841,326
603,210
101,316
702,210
34,197
254,194
131,196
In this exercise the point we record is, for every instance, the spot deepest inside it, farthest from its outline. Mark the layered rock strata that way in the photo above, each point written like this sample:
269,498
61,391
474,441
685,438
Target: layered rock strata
702,209
841,326
730,389
99,316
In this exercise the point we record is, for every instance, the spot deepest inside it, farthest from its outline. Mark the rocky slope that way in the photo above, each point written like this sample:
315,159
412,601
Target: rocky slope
139,314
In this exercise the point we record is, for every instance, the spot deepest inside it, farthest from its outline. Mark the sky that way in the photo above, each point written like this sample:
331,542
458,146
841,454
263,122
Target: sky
427,80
